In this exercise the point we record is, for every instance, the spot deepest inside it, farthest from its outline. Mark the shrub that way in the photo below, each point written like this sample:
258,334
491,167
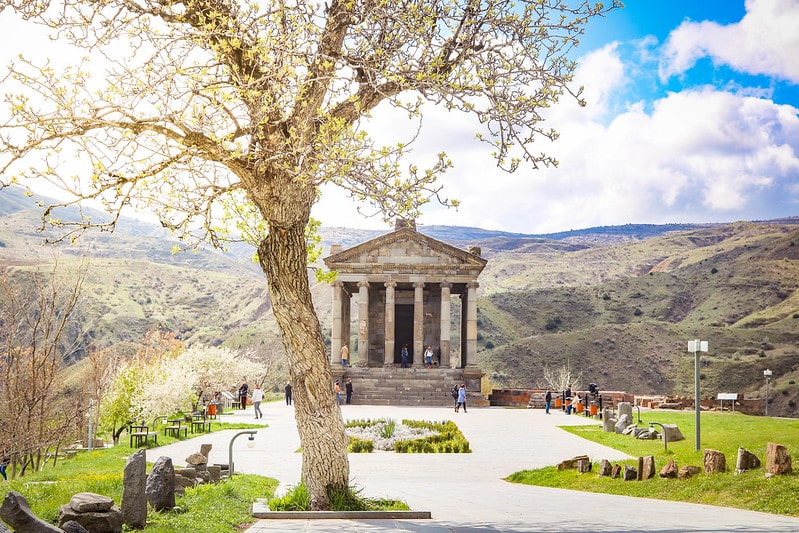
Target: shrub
357,445
448,440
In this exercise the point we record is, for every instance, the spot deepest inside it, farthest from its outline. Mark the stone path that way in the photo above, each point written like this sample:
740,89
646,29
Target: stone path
466,492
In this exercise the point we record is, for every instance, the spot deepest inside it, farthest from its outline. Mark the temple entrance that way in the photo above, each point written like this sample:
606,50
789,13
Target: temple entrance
403,332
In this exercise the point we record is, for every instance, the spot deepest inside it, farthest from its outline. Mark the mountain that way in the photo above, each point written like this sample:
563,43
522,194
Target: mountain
616,305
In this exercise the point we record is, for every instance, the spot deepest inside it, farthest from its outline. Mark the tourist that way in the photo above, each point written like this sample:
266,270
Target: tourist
548,399
454,392
243,390
288,392
404,356
257,398
345,355
348,389
428,357
461,398
337,390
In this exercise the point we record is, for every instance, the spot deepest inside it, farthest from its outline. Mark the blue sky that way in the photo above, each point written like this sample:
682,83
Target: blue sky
692,117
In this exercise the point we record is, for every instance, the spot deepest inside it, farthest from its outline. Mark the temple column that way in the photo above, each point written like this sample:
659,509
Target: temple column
346,323
388,355
445,341
363,323
336,329
471,324
418,324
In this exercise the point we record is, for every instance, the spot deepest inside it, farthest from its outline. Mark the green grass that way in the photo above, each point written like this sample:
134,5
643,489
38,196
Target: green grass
719,431
209,508
349,499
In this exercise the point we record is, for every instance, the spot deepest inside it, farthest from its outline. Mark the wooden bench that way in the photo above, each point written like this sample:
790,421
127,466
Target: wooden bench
143,437
175,428
200,425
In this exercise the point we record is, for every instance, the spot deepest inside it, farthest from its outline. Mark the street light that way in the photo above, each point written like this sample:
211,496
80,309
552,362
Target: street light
767,375
697,346
250,444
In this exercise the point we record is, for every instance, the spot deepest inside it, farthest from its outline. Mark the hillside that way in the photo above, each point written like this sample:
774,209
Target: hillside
615,304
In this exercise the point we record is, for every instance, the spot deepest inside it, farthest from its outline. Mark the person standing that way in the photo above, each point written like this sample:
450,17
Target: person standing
257,398
337,390
548,399
428,357
348,390
243,390
461,398
404,356
345,355
288,392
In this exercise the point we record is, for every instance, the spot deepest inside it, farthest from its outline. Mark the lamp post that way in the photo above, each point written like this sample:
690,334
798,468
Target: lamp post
767,375
697,346
250,444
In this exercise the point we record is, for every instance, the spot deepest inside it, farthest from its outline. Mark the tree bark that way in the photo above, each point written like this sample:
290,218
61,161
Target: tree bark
325,465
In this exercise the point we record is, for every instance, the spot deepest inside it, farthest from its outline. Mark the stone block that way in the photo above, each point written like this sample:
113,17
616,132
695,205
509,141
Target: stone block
672,433
109,521
714,462
646,467
746,460
688,471
87,502
615,472
584,466
669,470
778,460
571,463
134,491
630,473
605,468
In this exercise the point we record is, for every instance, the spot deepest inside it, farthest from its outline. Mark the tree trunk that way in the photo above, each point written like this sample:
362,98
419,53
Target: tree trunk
325,465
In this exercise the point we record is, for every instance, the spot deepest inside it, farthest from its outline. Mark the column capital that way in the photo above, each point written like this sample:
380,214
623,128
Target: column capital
390,284
336,283
363,283
445,285
418,284
472,285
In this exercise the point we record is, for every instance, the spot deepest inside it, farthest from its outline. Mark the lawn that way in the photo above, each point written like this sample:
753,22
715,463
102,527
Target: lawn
719,431
220,508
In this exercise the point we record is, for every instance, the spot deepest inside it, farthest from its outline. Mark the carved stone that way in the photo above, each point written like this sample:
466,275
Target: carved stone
714,462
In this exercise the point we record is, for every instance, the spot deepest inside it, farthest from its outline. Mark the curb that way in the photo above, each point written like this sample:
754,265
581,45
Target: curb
260,510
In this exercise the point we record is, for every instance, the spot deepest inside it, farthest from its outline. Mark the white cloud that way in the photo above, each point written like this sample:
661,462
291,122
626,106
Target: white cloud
765,41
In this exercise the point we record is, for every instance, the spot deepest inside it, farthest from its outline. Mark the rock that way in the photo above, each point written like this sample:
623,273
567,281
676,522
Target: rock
629,430
622,423
73,527
571,463
625,408
584,466
109,521
134,491
672,433
669,470
746,461
182,483
188,472
646,467
646,434
205,449
608,420
630,473
615,472
196,459
605,468
16,512
215,473
714,462
688,471
204,476
87,502
778,460
160,487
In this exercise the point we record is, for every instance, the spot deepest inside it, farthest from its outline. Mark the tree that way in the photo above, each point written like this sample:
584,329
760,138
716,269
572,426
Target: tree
35,311
212,111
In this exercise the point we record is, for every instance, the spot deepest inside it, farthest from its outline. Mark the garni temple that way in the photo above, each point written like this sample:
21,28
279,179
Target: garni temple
406,290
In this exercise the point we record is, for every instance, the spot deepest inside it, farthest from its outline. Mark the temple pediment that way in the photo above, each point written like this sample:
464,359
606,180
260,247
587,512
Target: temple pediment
406,251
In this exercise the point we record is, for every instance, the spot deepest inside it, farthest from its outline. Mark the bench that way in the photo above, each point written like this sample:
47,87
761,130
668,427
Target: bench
175,428
200,425
143,437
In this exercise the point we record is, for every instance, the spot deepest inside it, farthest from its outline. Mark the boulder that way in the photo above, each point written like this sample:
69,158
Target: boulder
73,527
134,491
16,512
622,423
778,460
714,462
197,460
688,471
109,521
746,461
160,487
669,470
646,467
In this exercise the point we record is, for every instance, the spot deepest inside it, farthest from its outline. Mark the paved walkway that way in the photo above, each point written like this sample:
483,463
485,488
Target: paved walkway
465,492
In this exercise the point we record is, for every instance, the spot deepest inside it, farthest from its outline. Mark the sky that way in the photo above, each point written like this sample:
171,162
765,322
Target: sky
692,116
